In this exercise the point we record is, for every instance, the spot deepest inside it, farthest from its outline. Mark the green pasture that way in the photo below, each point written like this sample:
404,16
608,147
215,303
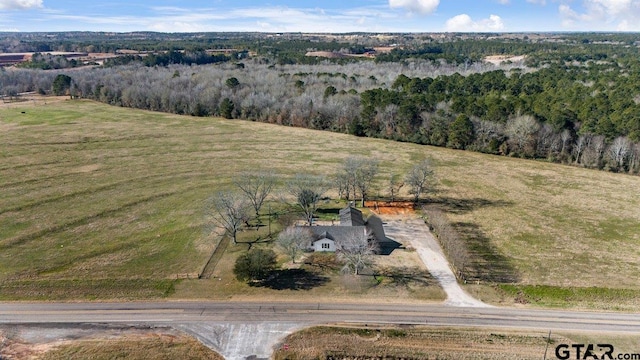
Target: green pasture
114,199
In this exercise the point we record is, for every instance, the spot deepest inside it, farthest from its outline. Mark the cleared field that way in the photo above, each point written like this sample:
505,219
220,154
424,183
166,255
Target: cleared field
152,347
109,201
436,343
99,341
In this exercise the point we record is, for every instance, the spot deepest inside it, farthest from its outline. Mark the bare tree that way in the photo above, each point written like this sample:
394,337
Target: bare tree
634,159
358,174
388,118
619,151
579,147
228,210
521,130
365,176
349,169
257,187
293,240
343,183
395,184
592,154
356,252
548,143
419,179
488,135
307,191
566,138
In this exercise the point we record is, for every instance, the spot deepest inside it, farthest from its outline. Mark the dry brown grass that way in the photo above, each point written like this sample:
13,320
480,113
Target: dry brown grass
374,342
95,341
416,343
155,346
557,225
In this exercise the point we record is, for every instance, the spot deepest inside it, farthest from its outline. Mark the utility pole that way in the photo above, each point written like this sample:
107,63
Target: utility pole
547,348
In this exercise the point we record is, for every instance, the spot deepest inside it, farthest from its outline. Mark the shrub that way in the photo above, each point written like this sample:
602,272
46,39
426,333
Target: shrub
255,265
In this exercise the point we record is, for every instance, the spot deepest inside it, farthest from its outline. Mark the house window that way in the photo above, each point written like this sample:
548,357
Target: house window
326,246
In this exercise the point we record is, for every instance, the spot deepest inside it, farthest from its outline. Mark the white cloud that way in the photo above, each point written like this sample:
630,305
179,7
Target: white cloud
539,2
504,2
20,4
620,15
612,7
464,22
265,19
416,6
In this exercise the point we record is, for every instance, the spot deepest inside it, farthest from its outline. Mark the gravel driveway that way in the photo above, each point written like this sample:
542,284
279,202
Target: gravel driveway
415,233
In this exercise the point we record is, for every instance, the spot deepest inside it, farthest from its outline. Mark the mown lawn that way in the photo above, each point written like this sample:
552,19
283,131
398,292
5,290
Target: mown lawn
115,197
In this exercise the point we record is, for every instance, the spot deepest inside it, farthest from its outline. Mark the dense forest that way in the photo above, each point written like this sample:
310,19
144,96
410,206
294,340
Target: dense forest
571,98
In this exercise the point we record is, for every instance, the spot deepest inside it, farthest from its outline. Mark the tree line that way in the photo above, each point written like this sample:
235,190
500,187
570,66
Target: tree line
563,114
587,113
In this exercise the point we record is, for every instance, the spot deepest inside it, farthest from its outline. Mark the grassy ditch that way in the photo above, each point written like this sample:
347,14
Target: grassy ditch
86,289
588,298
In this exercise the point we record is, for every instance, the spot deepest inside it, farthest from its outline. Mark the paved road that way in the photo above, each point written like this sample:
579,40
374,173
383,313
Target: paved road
239,330
304,313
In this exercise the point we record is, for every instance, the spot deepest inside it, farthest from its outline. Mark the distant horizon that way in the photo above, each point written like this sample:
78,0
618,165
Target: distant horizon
549,32
322,17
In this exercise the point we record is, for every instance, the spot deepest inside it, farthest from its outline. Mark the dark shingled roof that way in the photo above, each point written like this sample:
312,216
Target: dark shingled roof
337,233
352,225
351,216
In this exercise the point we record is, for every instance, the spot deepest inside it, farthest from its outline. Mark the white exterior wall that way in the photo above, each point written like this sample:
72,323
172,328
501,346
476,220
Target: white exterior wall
329,245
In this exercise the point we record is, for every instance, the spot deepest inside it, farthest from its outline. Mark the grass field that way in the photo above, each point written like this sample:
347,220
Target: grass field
109,201
141,348
438,343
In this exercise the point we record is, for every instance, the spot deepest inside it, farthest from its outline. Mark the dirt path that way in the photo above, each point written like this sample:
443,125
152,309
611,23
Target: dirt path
414,232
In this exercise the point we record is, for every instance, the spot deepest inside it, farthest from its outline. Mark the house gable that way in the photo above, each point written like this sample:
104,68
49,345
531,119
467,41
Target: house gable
325,245
337,234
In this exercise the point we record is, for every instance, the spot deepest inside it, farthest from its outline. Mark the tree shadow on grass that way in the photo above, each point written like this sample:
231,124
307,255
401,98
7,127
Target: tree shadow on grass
326,262
259,240
406,276
293,279
463,206
487,263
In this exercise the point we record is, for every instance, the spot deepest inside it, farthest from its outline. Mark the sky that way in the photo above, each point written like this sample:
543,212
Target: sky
327,16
